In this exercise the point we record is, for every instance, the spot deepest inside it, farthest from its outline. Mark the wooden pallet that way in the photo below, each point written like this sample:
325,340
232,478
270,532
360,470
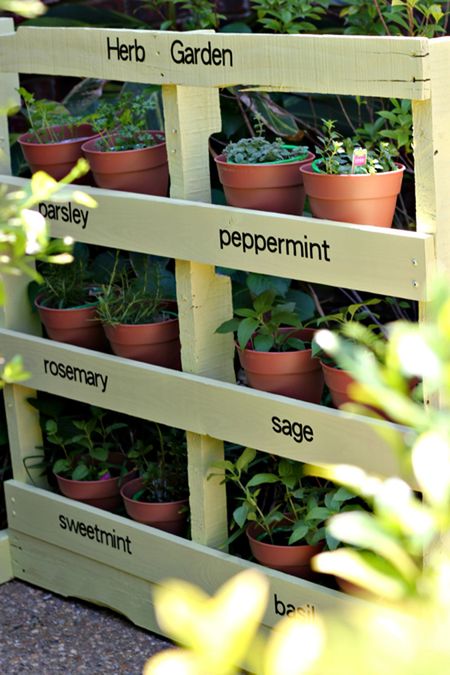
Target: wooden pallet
49,545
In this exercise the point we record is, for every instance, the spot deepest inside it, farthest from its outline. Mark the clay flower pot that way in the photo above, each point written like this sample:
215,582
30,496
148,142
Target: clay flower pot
364,199
56,159
103,493
265,187
337,382
144,170
76,326
168,516
157,343
296,374
293,559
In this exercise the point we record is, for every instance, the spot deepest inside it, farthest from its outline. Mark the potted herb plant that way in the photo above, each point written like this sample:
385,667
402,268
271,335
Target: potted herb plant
93,464
274,348
159,496
347,321
138,322
352,184
54,141
67,305
281,510
126,155
263,175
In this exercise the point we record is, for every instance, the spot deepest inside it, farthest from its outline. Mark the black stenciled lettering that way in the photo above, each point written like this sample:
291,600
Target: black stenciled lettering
256,243
96,533
76,374
125,52
206,56
296,430
179,54
67,213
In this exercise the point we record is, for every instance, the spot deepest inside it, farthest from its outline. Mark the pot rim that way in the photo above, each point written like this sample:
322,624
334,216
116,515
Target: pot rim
220,159
38,305
134,482
253,526
93,151
283,329
308,169
23,140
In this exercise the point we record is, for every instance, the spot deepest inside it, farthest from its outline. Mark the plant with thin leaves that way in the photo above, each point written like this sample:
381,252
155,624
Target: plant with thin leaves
161,460
50,121
287,507
133,294
259,327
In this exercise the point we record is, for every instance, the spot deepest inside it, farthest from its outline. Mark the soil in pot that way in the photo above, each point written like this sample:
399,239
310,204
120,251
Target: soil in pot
296,374
57,159
293,559
76,326
143,170
364,199
265,187
168,516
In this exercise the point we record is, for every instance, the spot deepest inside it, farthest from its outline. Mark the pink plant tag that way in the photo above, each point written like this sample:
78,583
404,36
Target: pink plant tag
359,158
105,476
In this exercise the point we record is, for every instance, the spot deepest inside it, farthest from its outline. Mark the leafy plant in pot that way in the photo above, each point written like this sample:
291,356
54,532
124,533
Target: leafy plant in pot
348,321
139,323
352,184
54,141
274,348
93,464
263,175
281,510
67,304
159,496
126,155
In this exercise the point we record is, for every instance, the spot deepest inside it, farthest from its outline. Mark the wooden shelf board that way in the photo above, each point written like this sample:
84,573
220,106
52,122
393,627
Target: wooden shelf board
205,406
385,261
6,573
36,516
357,65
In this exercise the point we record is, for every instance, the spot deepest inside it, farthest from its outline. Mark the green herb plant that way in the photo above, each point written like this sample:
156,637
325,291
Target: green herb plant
259,326
162,464
122,124
287,507
259,150
131,298
86,453
290,16
335,153
68,286
44,118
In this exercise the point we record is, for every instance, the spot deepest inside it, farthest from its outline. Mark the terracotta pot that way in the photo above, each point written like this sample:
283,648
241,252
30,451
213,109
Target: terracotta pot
76,326
104,494
295,374
293,559
168,516
57,159
337,382
157,343
265,187
364,199
144,170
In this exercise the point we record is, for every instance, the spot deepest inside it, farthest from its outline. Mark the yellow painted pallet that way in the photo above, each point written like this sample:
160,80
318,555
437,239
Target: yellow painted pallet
81,551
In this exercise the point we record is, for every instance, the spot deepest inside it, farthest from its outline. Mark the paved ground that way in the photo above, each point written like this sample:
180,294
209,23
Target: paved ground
44,634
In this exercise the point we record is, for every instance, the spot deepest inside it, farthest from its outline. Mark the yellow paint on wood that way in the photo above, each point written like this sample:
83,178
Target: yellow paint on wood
386,261
155,555
6,572
327,64
205,406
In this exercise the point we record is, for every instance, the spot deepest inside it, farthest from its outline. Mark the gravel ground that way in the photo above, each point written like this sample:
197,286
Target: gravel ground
44,634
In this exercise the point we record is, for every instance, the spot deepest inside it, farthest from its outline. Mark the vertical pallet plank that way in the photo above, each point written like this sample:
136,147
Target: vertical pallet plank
23,427
204,298
431,126
6,573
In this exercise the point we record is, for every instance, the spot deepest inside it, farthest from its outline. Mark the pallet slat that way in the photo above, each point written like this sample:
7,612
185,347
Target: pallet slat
358,65
6,571
389,262
148,555
205,406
